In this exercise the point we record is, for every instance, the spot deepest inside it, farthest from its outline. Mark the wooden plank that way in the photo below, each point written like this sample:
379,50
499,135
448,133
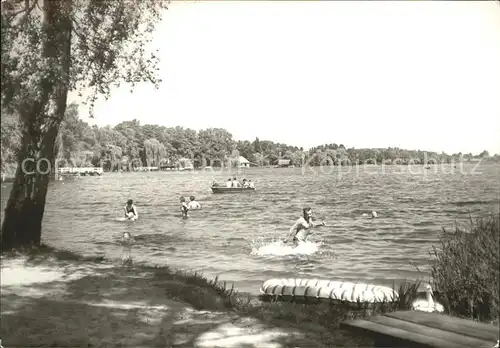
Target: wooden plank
444,322
452,337
401,335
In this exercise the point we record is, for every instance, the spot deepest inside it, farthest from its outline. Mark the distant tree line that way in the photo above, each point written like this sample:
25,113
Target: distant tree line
130,144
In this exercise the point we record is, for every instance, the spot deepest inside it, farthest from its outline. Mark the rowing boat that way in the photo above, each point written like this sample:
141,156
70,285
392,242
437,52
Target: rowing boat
218,189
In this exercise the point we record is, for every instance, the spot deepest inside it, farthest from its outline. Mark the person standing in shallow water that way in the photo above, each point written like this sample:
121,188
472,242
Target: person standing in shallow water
184,208
301,228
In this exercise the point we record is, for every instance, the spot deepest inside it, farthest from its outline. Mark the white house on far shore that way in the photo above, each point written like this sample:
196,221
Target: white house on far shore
243,162
284,163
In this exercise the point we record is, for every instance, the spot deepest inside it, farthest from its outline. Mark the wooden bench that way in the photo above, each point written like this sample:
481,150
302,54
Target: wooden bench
420,329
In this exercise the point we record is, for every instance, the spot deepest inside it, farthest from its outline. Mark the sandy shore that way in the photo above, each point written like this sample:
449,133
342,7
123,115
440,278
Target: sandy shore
51,302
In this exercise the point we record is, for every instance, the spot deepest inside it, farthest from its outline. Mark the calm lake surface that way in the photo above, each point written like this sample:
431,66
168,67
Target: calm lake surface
232,236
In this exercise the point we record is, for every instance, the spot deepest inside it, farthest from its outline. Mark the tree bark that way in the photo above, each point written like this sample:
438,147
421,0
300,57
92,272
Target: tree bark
40,119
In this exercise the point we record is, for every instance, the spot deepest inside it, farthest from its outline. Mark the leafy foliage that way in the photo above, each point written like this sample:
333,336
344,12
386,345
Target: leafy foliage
108,46
10,141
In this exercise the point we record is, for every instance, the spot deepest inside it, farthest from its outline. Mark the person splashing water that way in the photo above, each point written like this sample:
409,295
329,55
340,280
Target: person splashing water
301,230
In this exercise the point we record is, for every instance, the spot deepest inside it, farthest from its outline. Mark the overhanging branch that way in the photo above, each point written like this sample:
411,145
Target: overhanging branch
27,9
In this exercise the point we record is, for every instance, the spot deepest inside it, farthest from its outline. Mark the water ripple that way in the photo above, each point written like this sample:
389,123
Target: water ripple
412,204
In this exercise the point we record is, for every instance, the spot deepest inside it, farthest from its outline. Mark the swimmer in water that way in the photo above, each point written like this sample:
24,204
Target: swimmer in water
126,238
131,211
184,208
193,204
301,229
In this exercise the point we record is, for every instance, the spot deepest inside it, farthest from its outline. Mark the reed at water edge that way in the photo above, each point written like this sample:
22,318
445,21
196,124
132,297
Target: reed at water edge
466,267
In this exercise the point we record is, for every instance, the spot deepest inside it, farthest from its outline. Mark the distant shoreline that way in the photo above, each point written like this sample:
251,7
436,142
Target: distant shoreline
130,145
9,177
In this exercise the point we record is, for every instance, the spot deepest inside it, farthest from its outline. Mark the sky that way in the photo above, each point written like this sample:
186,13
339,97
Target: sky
413,75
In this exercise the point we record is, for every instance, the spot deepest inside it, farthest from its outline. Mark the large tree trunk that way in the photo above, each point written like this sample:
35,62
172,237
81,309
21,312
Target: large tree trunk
40,119
22,225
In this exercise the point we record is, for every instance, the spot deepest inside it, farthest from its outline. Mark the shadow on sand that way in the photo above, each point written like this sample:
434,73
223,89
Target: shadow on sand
52,302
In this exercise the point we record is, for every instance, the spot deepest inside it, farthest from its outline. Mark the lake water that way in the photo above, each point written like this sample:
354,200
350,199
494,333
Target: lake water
232,236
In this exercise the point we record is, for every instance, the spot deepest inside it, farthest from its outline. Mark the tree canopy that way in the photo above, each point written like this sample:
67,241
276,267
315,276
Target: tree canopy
107,44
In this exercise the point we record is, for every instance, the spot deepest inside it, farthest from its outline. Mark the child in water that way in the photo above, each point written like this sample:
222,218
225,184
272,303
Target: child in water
193,204
184,208
130,211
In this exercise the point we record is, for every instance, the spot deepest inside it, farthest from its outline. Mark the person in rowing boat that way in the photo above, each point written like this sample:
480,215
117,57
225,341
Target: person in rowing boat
236,183
301,229
229,183
130,210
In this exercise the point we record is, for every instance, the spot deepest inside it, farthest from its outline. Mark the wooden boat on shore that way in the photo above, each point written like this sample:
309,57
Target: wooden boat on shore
220,189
